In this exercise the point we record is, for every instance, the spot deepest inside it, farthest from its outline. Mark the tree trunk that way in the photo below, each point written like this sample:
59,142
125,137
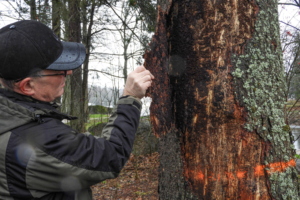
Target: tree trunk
56,13
33,10
218,101
76,77
87,36
66,98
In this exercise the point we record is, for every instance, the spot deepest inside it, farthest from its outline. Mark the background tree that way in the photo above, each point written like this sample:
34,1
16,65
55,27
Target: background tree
76,77
218,102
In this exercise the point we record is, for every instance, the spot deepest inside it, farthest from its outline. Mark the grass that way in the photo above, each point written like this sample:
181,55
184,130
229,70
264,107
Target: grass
98,116
291,103
96,119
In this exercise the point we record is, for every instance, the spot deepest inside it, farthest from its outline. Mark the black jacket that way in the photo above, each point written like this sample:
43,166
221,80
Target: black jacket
42,158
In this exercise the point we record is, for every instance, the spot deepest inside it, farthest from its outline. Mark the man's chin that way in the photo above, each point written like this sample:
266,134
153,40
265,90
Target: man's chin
61,93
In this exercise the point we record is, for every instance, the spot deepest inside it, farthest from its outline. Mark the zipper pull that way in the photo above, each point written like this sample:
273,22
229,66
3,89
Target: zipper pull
39,119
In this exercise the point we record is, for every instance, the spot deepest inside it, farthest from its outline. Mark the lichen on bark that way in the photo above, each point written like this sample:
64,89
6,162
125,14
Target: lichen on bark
260,87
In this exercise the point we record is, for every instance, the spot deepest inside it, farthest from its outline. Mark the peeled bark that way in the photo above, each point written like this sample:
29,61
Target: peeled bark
217,101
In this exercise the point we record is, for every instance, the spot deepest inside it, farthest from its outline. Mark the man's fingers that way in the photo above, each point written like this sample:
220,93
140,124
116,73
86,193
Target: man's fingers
143,73
146,78
139,69
147,84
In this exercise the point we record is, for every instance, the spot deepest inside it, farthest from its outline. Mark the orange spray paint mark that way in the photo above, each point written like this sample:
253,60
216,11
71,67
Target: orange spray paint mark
240,174
274,167
259,170
280,166
200,175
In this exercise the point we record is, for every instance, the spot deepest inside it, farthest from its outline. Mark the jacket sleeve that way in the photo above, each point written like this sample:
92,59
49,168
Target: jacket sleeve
65,160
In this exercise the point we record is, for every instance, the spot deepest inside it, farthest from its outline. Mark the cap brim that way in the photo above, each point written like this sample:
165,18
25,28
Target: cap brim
72,56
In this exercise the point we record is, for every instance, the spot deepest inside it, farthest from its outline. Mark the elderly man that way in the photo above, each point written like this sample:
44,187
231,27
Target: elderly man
40,157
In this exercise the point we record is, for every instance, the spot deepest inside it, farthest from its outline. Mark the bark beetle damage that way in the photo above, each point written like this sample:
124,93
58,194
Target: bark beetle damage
156,61
190,60
220,156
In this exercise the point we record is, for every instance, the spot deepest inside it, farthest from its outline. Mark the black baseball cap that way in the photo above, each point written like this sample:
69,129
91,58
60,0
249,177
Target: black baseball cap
29,45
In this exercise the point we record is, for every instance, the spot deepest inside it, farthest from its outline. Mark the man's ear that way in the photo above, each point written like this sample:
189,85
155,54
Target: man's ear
26,87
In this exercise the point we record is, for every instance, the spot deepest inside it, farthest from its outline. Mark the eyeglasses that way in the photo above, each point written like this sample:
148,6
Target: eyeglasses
62,74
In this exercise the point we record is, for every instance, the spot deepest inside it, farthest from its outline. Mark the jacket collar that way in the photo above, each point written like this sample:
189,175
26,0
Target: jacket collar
48,108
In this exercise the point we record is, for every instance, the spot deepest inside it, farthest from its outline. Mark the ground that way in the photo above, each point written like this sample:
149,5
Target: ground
138,180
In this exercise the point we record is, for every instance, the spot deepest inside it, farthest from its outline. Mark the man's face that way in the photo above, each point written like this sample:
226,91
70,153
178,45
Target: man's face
47,88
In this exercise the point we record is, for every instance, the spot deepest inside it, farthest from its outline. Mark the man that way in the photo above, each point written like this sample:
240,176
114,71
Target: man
40,157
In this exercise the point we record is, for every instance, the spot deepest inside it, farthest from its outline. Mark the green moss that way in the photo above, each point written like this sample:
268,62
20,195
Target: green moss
286,128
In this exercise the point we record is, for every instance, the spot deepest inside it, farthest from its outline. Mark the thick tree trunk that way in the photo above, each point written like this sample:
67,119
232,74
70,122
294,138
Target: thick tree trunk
76,77
218,101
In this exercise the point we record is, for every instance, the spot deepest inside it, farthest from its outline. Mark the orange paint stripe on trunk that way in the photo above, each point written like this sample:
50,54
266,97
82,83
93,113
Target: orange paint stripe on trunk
274,167
258,171
281,166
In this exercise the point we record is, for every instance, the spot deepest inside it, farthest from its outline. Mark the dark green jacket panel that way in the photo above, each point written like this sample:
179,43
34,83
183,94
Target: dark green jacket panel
46,159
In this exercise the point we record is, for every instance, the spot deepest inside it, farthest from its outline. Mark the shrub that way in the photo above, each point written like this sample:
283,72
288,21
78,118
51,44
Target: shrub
97,109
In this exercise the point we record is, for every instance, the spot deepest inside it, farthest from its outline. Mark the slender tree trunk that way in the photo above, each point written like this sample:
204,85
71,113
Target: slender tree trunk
218,101
76,77
56,16
33,10
125,64
66,98
87,35
56,13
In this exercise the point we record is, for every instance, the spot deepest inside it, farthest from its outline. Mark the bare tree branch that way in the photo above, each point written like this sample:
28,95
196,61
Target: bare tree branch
94,70
15,9
288,4
123,21
290,25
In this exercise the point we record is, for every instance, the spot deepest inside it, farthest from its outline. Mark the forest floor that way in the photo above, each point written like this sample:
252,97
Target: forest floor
138,180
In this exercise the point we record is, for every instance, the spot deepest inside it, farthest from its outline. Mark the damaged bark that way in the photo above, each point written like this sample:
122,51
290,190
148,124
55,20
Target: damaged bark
217,119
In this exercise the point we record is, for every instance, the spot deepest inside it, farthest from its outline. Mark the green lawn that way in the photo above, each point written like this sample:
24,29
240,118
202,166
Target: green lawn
98,116
291,103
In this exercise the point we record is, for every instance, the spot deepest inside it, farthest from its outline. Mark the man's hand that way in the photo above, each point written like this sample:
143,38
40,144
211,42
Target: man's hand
138,82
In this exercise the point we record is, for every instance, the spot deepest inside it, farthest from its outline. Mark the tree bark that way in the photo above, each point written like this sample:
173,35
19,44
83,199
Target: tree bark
56,16
33,10
56,13
66,98
87,36
218,101
76,77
